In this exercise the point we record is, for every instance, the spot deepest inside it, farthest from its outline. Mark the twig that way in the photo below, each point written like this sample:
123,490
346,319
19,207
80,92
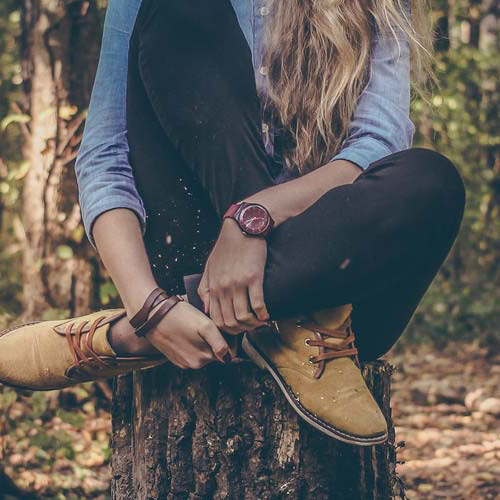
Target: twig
24,127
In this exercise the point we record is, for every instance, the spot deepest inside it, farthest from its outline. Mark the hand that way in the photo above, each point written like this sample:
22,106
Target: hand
188,338
231,287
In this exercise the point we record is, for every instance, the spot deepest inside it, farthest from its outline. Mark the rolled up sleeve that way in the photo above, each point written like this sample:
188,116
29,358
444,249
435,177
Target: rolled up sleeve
103,172
381,124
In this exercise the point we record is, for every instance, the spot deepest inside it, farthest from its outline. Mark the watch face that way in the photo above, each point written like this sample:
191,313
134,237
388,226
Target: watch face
254,219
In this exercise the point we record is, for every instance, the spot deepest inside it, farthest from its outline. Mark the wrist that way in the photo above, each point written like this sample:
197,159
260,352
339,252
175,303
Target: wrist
271,199
133,299
156,305
151,332
231,231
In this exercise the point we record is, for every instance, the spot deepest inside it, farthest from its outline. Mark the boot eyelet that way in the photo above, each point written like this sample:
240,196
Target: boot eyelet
306,342
311,360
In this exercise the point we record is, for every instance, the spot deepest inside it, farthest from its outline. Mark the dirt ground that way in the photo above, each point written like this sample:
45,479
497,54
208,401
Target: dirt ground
446,407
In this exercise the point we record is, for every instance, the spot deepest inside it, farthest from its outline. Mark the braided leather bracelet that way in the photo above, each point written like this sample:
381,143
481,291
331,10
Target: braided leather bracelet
140,320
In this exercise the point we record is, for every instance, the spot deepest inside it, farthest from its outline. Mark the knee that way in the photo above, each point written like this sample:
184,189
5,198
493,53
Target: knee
437,181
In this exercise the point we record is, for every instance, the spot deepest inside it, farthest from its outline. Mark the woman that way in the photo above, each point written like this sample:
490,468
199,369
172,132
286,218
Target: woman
267,145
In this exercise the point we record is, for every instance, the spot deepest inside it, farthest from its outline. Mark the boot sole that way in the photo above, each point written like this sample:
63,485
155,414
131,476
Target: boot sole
260,360
26,391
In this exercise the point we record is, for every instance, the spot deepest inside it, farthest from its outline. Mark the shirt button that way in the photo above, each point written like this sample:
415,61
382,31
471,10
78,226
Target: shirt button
265,128
263,70
264,11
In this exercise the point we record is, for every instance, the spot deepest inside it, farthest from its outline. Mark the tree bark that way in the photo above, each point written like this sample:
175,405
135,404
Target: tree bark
229,433
59,52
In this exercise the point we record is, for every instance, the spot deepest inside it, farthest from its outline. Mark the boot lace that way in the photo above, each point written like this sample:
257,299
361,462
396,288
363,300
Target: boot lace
80,343
328,350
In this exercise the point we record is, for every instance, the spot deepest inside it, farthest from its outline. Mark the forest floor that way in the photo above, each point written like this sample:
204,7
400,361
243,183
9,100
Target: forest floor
446,409
445,403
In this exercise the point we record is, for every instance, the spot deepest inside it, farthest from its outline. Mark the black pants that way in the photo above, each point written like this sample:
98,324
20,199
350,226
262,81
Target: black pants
195,141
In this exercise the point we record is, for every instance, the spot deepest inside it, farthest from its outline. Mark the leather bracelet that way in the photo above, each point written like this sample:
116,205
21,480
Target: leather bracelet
151,301
158,315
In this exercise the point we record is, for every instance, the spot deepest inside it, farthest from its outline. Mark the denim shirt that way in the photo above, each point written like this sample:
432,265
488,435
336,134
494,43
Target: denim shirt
380,125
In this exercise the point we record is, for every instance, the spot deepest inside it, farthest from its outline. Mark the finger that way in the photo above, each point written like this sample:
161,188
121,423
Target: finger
203,291
175,357
214,338
201,360
215,312
227,310
256,294
178,358
179,363
195,353
245,317
218,319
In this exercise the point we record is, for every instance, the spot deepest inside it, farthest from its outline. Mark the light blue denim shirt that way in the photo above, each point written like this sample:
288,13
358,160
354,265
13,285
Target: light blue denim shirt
380,125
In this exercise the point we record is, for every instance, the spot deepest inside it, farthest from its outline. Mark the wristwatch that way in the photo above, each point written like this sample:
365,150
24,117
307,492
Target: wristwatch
253,218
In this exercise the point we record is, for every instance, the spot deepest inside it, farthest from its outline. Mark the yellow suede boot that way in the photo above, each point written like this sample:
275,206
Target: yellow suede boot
47,355
314,361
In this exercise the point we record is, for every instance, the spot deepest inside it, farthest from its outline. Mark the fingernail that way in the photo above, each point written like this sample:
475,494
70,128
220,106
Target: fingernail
227,358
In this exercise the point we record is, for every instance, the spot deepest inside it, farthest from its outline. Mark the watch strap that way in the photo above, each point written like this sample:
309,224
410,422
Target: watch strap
232,210
232,213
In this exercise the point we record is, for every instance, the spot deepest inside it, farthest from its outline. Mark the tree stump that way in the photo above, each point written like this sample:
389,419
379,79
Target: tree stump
229,433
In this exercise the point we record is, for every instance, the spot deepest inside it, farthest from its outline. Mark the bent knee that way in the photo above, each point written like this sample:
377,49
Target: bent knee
439,181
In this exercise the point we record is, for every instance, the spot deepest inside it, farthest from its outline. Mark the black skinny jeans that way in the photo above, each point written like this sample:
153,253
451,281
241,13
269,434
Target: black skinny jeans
194,131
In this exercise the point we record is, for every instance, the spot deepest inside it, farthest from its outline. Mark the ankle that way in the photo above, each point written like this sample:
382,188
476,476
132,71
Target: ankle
125,342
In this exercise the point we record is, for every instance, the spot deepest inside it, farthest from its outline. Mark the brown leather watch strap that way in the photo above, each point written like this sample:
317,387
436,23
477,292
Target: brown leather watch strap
158,315
151,301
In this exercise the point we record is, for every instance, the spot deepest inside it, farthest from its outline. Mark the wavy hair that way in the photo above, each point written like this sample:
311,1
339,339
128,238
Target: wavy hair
318,54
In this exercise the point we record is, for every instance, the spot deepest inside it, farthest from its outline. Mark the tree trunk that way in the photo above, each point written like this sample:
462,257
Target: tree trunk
59,52
229,433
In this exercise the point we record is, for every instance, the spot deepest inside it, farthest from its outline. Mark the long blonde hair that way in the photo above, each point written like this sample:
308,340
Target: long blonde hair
318,57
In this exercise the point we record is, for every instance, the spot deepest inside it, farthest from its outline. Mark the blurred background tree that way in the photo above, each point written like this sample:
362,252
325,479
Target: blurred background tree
50,52
59,44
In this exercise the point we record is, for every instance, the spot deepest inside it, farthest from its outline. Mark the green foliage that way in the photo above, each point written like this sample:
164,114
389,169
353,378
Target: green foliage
13,118
463,123
70,417
7,399
53,313
108,293
64,252
10,81
10,280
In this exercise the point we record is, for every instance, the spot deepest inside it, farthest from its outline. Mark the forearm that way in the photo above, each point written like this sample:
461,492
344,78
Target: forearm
291,198
119,241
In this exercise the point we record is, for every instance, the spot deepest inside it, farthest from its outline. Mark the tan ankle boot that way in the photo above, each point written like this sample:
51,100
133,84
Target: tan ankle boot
314,361
47,355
